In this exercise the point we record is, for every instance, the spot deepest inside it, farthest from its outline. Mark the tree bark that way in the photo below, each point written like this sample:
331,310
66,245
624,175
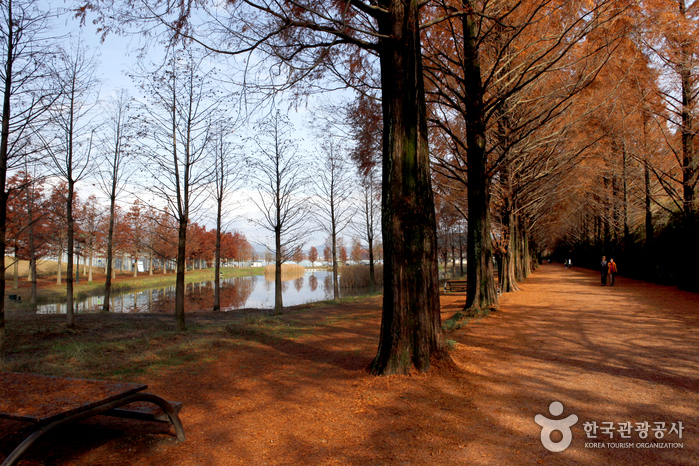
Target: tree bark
481,292
278,303
181,266
410,326
110,249
217,267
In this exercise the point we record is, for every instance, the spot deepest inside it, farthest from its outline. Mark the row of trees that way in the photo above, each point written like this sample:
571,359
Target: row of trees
37,229
498,106
634,195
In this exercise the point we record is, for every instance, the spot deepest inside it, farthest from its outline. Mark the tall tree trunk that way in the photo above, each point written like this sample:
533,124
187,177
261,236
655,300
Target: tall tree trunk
89,269
70,312
688,273
481,292
278,303
410,325
336,282
181,266
461,251
32,246
110,249
60,262
217,267
15,271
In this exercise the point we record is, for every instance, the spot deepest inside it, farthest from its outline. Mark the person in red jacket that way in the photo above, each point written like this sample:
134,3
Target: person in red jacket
611,271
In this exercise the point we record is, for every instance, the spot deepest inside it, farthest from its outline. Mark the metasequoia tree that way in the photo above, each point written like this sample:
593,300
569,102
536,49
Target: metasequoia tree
116,133
368,199
91,213
332,190
279,172
307,40
482,68
27,211
181,114
70,147
227,177
313,255
26,95
672,36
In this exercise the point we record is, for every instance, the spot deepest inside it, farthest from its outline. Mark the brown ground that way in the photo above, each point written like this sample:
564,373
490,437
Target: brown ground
627,353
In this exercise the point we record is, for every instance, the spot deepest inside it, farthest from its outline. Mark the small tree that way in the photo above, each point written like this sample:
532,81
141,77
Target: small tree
332,189
313,255
180,119
279,172
71,146
113,169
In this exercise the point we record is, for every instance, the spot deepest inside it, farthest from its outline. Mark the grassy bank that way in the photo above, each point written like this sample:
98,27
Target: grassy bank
48,291
125,345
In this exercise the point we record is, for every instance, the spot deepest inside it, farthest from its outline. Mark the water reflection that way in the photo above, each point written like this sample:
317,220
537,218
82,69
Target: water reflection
235,293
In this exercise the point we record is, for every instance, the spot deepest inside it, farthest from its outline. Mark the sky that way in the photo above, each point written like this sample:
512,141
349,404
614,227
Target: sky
118,55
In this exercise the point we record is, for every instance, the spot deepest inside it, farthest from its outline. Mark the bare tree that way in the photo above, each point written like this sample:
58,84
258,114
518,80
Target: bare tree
27,94
279,176
180,118
113,169
332,191
369,211
353,42
70,146
227,176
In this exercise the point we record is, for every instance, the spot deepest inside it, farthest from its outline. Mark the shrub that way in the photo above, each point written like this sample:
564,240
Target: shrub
294,269
357,276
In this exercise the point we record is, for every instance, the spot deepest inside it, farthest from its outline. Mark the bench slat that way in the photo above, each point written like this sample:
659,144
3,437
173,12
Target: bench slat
143,411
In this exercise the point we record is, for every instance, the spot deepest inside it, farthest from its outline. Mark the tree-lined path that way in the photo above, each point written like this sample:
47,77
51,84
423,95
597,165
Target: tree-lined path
608,354
294,389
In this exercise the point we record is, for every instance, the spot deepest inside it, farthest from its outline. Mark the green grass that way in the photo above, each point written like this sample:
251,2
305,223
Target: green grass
462,318
118,346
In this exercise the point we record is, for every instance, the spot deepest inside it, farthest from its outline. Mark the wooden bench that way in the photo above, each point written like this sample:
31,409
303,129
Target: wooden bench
51,402
455,286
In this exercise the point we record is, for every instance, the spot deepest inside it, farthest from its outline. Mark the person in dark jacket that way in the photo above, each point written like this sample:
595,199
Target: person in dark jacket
604,269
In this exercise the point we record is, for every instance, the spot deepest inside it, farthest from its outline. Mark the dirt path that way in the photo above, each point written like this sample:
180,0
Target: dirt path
608,354
295,391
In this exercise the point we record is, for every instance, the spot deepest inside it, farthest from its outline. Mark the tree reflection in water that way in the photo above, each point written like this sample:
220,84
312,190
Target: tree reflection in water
236,293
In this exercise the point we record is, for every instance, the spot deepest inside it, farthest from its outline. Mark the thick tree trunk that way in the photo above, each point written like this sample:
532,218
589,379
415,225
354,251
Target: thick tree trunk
481,292
3,227
411,331
650,234
688,273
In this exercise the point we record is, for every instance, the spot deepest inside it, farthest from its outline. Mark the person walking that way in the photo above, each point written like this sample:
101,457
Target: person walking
604,269
611,270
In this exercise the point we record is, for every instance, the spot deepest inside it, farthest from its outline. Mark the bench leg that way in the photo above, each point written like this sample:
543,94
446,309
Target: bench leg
167,408
149,397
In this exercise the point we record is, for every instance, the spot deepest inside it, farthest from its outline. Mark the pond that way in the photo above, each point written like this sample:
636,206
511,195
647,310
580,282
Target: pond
236,293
